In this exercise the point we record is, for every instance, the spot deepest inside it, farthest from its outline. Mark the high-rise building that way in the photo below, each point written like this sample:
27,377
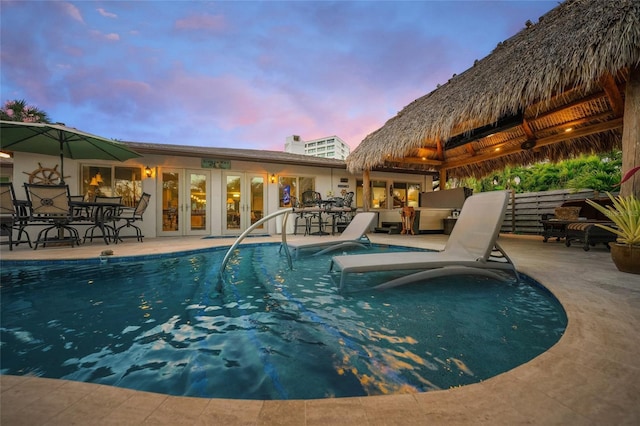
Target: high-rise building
327,147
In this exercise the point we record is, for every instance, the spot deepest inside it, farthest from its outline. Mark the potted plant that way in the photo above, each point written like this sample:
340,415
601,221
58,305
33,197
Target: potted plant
625,214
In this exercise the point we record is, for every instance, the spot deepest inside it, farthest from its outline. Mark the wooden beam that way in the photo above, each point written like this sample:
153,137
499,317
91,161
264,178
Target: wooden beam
416,160
631,134
439,149
575,103
586,131
443,179
527,130
579,121
470,149
366,190
611,90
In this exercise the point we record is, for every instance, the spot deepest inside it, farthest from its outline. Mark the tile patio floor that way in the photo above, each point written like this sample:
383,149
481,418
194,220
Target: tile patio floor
590,377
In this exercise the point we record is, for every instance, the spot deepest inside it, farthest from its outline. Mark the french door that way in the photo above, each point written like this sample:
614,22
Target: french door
185,205
243,202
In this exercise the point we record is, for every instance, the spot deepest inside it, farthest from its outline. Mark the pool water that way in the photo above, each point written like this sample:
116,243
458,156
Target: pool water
169,325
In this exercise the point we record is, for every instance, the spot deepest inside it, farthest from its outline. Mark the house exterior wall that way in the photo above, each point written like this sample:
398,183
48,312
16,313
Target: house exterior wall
328,180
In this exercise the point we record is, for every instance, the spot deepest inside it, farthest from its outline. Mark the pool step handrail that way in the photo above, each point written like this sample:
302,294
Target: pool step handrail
242,236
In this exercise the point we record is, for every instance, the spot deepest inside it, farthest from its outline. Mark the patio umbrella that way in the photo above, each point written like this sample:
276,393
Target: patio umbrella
57,139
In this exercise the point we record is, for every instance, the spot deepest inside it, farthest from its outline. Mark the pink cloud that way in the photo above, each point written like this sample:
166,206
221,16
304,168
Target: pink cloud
72,11
209,23
106,14
109,37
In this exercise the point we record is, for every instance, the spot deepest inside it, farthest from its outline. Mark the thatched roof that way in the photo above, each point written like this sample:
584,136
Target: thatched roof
566,71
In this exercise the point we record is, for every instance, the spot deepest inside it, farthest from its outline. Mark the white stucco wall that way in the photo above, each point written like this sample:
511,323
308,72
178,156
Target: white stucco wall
326,179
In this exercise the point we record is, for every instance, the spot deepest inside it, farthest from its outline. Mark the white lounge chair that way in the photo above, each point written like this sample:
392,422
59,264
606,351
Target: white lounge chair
469,249
353,235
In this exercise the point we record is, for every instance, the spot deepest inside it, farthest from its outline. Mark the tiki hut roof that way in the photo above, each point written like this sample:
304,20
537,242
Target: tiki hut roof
516,106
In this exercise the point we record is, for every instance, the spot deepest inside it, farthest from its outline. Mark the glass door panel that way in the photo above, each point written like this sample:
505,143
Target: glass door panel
245,203
257,200
233,202
170,202
197,206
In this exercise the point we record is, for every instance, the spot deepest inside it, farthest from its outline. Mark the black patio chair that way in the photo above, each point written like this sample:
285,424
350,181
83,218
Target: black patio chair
49,205
13,215
132,215
310,200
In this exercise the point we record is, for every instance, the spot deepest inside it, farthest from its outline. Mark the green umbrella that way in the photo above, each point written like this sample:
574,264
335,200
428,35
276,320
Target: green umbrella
56,139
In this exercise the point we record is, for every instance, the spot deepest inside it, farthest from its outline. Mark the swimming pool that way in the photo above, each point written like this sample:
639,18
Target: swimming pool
164,324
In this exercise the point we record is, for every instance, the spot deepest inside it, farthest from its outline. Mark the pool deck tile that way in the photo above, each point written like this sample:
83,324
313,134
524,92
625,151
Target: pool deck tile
590,377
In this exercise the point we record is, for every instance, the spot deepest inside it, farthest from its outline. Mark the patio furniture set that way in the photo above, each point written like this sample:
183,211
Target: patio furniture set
575,221
58,216
312,211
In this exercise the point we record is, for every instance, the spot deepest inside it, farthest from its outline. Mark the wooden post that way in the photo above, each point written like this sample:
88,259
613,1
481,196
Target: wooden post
443,179
631,134
366,190
513,211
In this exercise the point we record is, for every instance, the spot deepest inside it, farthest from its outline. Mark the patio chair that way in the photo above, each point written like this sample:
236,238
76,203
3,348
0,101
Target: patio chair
342,213
471,248
353,235
79,213
310,211
49,205
300,217
131,215
13,215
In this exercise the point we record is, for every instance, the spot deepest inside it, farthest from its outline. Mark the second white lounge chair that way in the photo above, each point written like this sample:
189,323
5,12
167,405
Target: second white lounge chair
468,250
353,235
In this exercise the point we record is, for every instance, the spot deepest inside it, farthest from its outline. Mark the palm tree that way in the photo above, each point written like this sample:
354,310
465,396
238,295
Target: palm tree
18,110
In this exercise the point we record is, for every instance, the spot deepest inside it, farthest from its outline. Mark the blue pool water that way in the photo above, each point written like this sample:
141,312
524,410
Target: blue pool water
166,325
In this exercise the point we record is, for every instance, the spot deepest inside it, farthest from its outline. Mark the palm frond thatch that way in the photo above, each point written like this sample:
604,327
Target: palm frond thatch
569,69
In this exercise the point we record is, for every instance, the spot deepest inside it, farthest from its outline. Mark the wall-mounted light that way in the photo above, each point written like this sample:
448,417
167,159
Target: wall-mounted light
148,172
273,178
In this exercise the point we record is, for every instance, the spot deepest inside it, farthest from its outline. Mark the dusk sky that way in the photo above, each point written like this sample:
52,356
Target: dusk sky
242,74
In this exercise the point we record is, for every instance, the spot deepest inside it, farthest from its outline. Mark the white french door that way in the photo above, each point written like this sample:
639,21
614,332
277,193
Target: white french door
243,201
184,203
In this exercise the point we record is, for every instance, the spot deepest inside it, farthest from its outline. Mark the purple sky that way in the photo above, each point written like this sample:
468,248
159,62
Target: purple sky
241,74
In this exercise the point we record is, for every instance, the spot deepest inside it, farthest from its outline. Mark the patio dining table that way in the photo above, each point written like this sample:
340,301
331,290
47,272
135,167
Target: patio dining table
101,215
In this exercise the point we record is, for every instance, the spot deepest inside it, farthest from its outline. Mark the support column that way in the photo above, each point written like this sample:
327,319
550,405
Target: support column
631,134
428,183
366,190
443,179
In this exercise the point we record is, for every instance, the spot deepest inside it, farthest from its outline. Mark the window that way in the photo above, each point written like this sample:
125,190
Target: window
291,186
378,194
405,193
112,181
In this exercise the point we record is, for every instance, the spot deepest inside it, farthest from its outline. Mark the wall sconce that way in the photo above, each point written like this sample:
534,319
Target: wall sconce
148,172
273,178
